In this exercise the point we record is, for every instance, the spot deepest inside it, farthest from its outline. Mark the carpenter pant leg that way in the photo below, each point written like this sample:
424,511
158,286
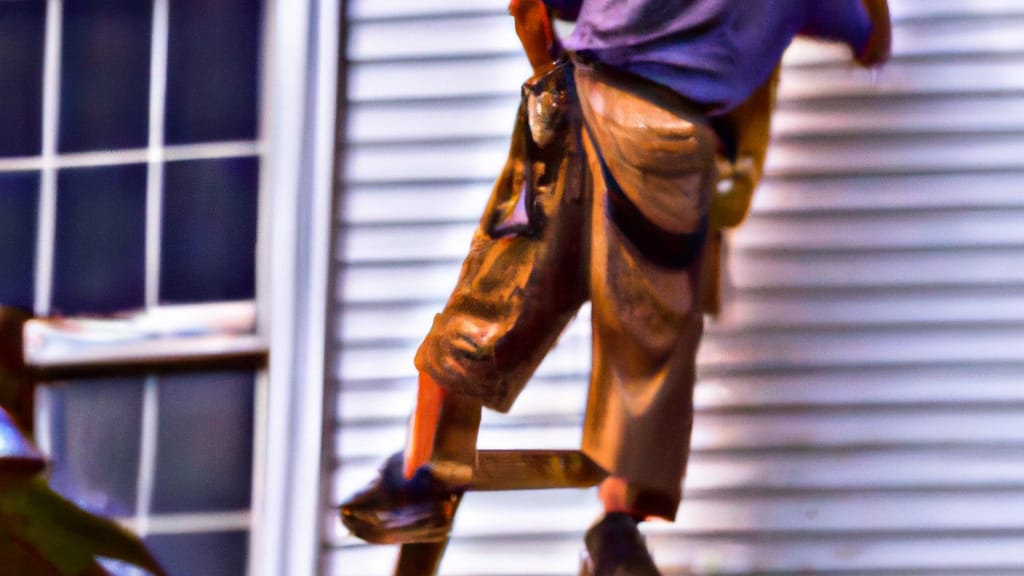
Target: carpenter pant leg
521,282
646,316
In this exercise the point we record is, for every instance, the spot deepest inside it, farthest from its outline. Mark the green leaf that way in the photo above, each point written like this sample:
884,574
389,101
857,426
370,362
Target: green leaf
22,559
64,534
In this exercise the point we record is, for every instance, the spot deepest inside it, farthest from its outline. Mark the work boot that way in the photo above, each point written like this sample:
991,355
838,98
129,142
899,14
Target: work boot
616,548
394,510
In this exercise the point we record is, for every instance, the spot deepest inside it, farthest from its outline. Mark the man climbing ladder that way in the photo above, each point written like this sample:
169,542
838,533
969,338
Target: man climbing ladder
607,195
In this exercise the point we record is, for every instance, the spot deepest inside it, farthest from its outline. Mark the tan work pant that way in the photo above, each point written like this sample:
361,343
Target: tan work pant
632,245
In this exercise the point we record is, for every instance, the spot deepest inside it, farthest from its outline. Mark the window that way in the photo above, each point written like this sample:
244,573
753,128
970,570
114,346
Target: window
130,174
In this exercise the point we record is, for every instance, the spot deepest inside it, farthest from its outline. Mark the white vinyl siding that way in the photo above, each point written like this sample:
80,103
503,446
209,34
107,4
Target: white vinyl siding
860,406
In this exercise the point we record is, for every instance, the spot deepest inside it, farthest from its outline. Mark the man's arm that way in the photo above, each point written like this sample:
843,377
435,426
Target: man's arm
862,24
879,45
533,26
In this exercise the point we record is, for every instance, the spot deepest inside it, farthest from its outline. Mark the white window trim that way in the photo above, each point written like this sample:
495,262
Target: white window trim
175,335
299,111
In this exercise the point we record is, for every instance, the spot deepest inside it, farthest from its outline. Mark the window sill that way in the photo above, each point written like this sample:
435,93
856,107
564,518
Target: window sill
207,336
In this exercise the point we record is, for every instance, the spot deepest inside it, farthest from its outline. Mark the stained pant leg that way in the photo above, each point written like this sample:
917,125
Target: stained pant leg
646,317
519,286
521,282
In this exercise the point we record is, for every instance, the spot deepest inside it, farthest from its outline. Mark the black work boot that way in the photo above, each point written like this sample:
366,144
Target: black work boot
616,548
393,510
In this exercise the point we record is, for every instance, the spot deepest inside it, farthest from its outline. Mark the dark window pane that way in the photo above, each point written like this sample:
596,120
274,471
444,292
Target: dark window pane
204,450
99,260
208,251
95,433
19,205
212,70
22,26
202,554
104,88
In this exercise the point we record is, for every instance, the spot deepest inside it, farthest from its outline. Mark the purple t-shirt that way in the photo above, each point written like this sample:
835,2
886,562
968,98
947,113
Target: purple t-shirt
714,52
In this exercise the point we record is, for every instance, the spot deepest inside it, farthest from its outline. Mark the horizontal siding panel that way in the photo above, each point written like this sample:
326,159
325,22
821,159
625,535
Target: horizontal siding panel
908,469
876,194
902,11
485,33
462,202
414,203
896,155
942,77
940,116
927,38
944,387
754,311
837,555
432,122
724,474
427,162
404,243
367,10
892,230
565,511
486,30
382,284
464,78
492,118
495,76
827,156
940,385
543,398
782,429
877,270
911,229
488,33
852,311
898,346
389,362
761,271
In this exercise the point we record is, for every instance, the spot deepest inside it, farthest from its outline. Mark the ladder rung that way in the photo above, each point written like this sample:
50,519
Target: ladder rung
534,470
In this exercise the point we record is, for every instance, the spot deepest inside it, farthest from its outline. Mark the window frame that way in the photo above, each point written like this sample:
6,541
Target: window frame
288,324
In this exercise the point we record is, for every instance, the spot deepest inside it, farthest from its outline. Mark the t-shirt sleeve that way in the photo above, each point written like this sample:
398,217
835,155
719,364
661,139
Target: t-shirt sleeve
567,9
842,20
